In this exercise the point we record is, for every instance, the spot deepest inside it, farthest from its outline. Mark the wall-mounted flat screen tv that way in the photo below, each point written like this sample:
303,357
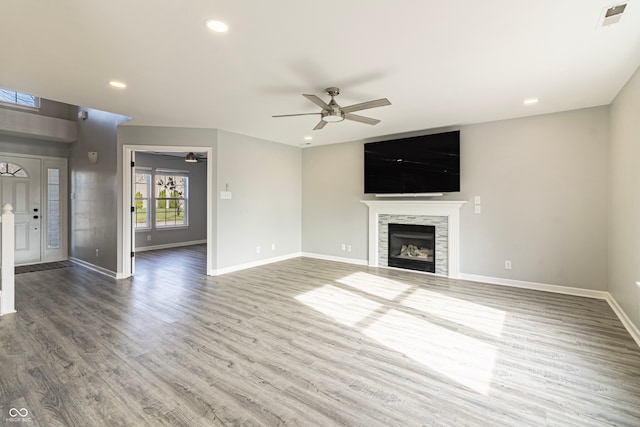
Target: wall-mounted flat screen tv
421,164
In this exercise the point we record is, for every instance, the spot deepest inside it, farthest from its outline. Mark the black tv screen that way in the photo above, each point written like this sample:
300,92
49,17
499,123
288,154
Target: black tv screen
421,164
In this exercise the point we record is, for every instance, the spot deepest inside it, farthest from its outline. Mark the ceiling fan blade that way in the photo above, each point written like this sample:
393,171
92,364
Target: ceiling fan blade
319,102
361,119
320,125
291,115
365,105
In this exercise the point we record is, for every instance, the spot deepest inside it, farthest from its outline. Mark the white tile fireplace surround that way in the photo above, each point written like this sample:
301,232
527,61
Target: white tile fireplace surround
445,215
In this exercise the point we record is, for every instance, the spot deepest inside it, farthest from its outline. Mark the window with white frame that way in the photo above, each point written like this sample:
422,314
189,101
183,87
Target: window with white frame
12,170
18,98
171,198
142,190
161,199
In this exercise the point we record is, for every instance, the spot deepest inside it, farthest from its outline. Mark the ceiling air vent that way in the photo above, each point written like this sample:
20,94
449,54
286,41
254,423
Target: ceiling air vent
612,15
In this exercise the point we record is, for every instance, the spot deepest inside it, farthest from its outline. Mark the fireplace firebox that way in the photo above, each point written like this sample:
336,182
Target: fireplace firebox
412,247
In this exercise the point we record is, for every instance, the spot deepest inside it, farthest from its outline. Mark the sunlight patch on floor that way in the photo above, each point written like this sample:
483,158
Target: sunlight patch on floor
463,359
375,285
342,306
476,316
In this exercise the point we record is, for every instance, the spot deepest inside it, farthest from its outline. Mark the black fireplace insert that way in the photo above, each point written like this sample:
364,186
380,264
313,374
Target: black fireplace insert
412,246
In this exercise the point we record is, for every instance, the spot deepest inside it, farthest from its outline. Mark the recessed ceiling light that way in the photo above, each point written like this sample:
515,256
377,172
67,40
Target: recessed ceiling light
308,138
530,101
217,26
118,84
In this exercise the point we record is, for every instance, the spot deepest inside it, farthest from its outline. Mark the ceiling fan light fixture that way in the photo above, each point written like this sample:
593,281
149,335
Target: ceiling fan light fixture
117,84
332,116
191,158
332,112
216,26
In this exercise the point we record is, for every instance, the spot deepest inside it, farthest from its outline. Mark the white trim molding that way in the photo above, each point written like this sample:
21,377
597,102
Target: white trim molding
169,245
566,290
628,324
446,208
353,261
234,268
95,268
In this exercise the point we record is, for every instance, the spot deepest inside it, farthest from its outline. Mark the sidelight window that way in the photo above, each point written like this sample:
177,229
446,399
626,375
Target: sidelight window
53,208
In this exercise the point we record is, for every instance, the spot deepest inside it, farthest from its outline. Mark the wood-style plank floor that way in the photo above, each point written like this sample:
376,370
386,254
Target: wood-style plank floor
311,343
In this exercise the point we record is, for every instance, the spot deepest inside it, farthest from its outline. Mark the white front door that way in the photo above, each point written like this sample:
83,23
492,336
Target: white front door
20,186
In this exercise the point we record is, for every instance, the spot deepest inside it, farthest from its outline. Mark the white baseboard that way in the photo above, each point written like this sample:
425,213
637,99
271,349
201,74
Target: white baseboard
95,268
628,324
234,268
169,245
335,258
566,290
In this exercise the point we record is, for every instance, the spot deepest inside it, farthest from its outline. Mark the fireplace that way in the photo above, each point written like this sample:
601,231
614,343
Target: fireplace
412,246
443,214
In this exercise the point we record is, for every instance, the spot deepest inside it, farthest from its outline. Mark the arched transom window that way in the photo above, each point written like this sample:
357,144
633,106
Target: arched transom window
12,170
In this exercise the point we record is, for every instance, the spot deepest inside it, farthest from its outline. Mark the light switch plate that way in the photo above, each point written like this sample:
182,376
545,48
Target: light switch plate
477,200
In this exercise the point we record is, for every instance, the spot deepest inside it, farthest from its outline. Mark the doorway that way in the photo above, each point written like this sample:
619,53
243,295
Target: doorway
129,217
36,189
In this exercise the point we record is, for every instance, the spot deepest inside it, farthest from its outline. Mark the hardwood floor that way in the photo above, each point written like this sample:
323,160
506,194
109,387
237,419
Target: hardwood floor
308,342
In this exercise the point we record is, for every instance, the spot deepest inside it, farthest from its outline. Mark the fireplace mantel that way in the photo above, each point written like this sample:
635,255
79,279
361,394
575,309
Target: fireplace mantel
444,208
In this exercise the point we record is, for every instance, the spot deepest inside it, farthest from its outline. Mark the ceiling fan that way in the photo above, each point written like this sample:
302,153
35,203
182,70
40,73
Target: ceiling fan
332,112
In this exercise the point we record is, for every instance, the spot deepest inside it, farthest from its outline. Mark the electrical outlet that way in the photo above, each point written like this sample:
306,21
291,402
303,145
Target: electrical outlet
507,264
344,247
97,253
273,246
257,249
348,248
148,237
477,200
478,209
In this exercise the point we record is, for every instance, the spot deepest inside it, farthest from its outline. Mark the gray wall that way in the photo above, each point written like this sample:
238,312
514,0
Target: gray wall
93,190
34,147
264,179
624,202
543,183
37,147
332,214
50,108
197,211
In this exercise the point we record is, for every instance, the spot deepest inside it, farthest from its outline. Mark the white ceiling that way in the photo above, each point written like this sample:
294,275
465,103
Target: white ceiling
440,63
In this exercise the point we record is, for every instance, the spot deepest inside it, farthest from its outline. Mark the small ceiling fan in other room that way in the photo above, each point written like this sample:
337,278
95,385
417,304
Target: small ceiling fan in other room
332,112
